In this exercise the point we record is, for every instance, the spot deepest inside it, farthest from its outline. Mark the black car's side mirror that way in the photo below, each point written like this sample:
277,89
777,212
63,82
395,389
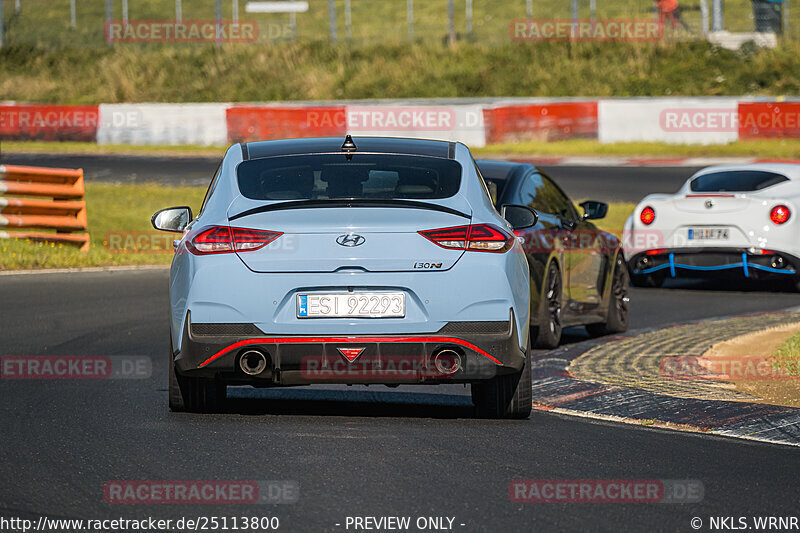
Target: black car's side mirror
519,216
173,219
594,210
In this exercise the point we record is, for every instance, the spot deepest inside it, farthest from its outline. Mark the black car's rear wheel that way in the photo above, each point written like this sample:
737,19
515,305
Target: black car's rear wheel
506,396
548,334
195,395
618,305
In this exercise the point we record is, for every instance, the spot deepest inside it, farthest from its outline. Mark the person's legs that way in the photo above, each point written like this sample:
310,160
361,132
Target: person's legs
671,16
662,18
679,19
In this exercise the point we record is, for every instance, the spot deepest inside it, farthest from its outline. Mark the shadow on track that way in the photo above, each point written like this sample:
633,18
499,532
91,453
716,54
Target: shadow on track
350,403
729,285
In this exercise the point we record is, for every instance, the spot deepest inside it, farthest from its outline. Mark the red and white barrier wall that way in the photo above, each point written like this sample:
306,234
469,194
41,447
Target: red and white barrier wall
668,120
477,123
162,124
48,122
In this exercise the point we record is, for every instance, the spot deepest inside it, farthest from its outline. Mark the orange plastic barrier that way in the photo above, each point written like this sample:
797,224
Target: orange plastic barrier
60,212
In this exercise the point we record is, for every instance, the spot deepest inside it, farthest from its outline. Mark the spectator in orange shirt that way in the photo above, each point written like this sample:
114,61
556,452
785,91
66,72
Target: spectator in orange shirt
669,10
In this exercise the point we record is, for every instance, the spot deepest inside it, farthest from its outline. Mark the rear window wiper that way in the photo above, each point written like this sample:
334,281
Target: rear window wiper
348,202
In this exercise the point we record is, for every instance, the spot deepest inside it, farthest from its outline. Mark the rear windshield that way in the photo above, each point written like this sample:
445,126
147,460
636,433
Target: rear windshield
365,176
736,181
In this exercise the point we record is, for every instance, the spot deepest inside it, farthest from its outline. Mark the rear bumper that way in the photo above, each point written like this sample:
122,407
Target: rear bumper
732,262
478,351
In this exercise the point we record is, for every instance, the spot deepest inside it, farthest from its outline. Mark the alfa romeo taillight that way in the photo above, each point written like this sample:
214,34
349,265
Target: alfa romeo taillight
647,216
780,214
223,240
477,238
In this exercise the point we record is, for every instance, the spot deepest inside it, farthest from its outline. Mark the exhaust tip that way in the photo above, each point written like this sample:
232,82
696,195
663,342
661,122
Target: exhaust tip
253,362
447,361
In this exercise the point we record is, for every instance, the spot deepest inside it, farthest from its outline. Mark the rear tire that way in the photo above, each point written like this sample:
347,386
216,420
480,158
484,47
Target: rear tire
505,396
175,398
194,395
548,334
618,307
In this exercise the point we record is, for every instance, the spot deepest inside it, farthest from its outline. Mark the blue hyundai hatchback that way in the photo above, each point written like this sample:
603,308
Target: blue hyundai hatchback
356,261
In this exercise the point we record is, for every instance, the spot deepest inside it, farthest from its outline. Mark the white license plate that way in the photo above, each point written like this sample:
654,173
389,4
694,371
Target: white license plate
350,304
709,234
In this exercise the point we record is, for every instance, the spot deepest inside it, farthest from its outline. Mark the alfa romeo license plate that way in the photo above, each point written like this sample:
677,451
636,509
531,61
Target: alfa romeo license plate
709,234
352,305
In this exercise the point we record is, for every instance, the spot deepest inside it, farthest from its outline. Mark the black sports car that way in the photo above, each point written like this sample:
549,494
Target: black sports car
578,272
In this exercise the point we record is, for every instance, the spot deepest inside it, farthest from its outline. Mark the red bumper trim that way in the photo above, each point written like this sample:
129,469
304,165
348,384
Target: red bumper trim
347,340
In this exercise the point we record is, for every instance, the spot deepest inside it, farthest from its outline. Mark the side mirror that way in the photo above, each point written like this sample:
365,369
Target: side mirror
173,219
594,210
519,216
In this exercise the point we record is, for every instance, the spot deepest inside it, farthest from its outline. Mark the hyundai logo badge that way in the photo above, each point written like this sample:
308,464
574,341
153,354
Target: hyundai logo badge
351,239
709,204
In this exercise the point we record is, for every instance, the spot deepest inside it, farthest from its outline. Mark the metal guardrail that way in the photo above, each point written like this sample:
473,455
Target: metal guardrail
64,210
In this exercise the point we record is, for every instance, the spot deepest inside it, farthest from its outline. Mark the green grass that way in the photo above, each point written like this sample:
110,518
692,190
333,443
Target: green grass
117,214
119,226
45,60
318,71
614,222
787,356
87,148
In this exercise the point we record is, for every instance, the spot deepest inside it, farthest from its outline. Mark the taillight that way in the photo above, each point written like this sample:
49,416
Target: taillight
488,238
247,240
477,238
213,240
657,251
451,238
761,251
780,214
647,216
223,240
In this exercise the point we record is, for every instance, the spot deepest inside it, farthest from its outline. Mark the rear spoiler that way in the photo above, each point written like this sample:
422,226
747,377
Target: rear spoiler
351,202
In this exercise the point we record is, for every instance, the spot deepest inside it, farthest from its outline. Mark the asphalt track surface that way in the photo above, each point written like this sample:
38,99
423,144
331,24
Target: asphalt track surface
610,184
356,451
